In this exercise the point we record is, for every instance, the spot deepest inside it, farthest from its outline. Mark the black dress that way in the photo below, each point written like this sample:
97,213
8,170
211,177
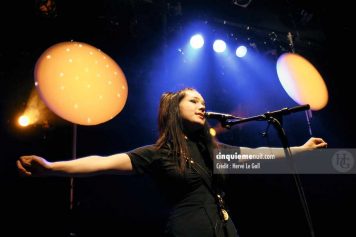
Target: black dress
194,211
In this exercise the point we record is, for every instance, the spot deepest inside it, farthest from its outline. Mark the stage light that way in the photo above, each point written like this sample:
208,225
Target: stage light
24,120
197,41
35,112
219,46
241,51
29,117
47,8
212,132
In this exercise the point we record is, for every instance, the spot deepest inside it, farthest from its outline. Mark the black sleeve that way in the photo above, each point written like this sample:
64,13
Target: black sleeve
143,158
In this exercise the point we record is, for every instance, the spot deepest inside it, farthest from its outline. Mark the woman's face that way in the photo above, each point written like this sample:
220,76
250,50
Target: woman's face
192,109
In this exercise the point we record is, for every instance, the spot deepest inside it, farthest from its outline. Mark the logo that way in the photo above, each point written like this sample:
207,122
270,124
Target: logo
343,161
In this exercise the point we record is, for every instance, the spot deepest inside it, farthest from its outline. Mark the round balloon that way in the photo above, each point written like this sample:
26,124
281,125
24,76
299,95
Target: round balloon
302,81
80,83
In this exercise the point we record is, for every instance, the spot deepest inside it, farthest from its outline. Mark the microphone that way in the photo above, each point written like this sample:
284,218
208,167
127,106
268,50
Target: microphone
219,116
286,111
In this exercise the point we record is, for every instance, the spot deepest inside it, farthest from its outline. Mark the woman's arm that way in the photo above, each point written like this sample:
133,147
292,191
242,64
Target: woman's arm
91,165
311,144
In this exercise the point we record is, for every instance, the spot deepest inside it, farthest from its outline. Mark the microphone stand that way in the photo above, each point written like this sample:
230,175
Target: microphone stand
72,185
275,118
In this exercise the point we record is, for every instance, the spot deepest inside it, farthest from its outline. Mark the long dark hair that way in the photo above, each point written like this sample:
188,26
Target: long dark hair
171,129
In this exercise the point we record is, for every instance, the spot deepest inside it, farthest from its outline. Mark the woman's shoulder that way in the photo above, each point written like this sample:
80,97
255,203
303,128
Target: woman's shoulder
146,149
151,150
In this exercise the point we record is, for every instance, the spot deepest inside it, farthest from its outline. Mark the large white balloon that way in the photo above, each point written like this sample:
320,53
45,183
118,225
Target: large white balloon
80,83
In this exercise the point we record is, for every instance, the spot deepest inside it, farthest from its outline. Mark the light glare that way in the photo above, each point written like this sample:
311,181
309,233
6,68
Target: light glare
212,132
219,46
197,41
241,51
24,120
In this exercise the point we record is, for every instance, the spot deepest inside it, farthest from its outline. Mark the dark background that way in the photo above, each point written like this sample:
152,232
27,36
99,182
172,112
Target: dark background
134,33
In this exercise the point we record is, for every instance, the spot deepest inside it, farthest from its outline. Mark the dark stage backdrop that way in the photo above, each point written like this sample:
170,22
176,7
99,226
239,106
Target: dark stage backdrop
136,34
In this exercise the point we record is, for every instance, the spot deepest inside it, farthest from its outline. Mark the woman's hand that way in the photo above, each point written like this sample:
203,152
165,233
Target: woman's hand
33,166
314,143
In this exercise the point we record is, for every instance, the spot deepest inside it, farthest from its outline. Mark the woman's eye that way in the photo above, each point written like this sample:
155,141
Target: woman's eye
193,101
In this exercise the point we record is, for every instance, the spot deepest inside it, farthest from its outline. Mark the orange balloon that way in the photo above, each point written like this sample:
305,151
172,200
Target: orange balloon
302,81
80,83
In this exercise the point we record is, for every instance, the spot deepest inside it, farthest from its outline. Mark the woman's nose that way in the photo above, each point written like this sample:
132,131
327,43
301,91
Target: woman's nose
202,108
